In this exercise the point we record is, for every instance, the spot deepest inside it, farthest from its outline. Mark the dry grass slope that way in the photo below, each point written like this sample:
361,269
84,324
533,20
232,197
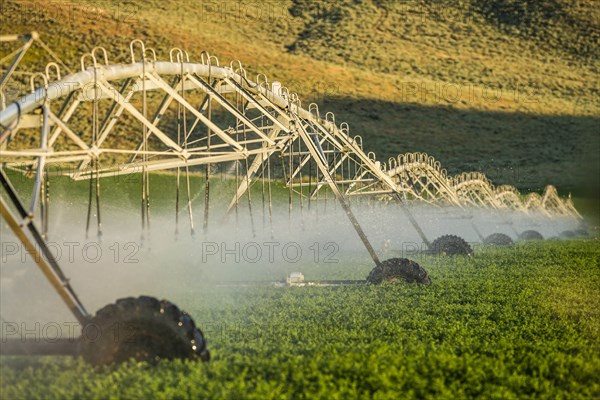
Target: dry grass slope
512,83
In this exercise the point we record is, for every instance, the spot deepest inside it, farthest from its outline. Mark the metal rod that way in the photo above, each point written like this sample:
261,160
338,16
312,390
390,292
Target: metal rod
262,175
178,188
477,231
46,202
309,183
290,181
301,190
189,200
413,221
89,210
187,168
322,165
97,160
15,62
41,160
145,176
43,258
248,186
178,183
208,165
270,196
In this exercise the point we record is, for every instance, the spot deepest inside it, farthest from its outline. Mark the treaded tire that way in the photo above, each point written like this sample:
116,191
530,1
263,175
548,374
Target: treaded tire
582,232
531,235
143,329
568,235
397,269
451,245
498,239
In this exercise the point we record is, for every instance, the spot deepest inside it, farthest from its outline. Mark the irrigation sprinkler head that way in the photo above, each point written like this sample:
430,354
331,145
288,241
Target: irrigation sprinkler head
143,329
398,269
295,279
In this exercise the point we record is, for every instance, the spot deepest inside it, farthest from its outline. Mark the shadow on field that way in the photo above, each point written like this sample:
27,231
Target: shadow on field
526,150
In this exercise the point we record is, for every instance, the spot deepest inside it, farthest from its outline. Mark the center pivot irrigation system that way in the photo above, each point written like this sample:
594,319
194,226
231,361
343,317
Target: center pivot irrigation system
178,115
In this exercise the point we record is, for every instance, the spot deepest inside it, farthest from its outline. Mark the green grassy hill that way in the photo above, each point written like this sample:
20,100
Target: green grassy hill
505,86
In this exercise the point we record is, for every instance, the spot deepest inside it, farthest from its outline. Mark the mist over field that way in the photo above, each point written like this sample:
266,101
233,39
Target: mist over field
320,242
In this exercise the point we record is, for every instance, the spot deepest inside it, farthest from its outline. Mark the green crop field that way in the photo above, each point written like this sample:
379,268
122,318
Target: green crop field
515,323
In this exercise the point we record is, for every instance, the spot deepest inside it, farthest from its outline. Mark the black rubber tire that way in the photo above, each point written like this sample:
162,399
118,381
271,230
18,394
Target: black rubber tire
582,232
451,245
398,269
568,235
531,235
143,329
498,239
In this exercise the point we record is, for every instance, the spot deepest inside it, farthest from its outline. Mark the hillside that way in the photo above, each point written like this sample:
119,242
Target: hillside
508,87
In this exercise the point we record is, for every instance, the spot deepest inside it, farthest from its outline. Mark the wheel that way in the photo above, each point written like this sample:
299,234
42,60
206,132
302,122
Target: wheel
568,235
451,245
396,269
498,239
531,235
582,232
144,329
